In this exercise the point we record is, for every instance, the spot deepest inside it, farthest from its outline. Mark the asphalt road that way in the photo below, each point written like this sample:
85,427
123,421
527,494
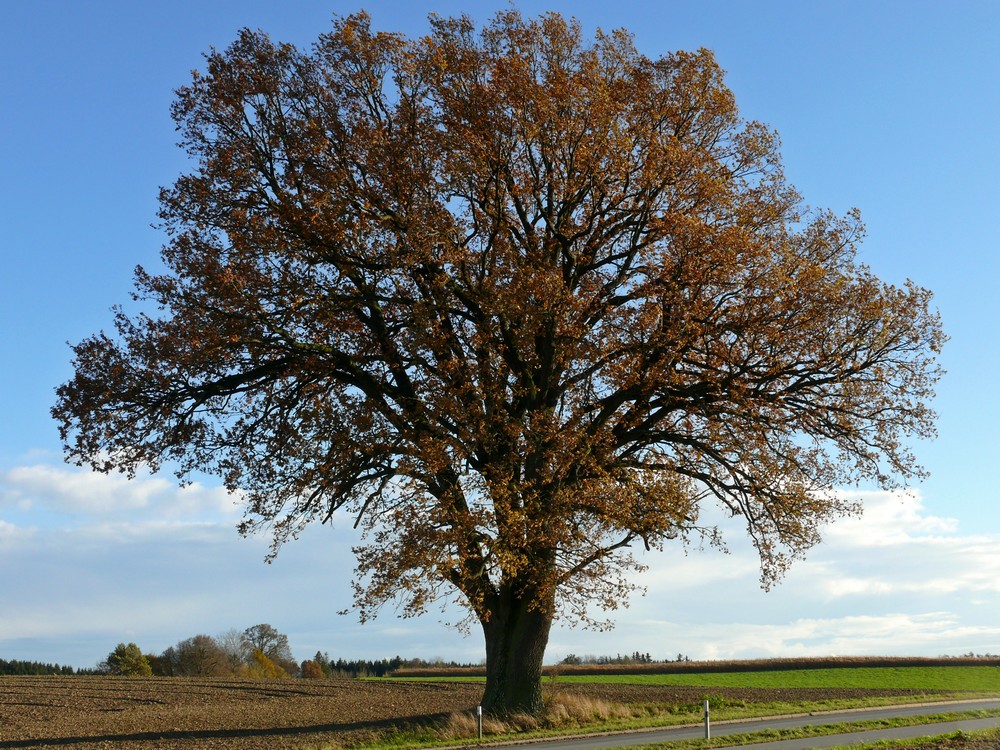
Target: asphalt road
647,737
897,733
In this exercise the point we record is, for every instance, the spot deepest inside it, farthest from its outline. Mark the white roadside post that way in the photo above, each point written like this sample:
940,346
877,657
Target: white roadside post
708,728
479,721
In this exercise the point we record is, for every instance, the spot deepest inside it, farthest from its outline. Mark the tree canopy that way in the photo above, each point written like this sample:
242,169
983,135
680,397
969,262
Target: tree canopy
198,656
266,639
128,660
514,301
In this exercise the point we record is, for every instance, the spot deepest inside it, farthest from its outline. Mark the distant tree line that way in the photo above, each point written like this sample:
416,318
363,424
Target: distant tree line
259,651
18,667
635,658
321,665
263,652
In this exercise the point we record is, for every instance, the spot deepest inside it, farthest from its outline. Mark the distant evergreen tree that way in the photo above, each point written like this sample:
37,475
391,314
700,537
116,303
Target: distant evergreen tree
19,667
377,668
366,667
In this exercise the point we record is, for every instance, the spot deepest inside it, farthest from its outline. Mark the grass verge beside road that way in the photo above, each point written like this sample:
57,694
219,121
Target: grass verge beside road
987,740
981,740
452,735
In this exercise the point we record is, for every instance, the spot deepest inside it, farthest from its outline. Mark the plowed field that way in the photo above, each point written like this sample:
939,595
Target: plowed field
86,713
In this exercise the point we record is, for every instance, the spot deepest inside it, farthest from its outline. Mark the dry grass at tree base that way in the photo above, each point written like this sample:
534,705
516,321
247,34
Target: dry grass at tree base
86,713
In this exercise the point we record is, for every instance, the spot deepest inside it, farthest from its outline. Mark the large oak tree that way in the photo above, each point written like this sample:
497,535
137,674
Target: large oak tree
513,300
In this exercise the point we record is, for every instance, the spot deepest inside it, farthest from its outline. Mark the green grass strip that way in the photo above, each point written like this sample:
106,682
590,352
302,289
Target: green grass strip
987,739
979,679
911,678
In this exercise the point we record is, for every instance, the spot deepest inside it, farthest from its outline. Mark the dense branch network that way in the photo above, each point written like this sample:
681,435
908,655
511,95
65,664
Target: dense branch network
514,301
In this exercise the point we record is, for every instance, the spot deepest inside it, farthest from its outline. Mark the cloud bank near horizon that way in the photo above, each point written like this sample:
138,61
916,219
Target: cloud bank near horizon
99,559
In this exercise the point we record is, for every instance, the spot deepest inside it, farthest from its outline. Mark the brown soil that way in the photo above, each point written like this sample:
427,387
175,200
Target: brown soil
86,713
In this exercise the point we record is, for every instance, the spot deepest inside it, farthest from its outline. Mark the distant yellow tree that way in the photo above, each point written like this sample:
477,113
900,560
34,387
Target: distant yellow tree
262,668
128,660
271,643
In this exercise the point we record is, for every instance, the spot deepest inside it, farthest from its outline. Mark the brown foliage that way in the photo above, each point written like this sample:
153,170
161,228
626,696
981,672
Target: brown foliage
311,670
515,300
199,656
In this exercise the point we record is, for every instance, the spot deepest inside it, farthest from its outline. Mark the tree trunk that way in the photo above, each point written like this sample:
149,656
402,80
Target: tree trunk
517,632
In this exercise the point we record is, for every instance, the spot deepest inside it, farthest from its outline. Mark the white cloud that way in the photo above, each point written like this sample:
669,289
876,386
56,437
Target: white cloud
897,548
893,634
930,566
883,634
898,580
889,518
101,559
79,493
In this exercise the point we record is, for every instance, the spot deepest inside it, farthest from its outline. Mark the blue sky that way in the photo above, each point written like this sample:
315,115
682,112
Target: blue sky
888,106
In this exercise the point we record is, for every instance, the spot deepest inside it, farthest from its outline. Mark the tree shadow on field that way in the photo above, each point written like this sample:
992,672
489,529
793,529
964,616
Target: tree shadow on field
194,735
